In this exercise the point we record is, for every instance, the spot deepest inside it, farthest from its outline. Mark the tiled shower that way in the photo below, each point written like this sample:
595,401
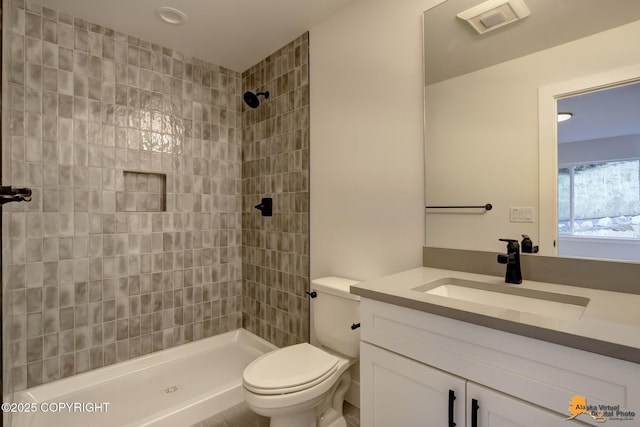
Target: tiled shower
145,166
275,163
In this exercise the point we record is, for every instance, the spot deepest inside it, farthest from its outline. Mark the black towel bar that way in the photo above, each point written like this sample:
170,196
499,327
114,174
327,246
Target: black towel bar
487,207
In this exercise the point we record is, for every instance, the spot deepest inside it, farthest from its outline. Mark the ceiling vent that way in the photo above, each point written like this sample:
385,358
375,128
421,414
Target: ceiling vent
494,14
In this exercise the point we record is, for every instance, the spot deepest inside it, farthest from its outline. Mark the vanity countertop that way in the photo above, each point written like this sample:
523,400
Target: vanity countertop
609,325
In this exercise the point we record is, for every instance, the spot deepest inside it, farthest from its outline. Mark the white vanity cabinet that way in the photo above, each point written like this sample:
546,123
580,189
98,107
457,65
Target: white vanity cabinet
495,409
397,391
411,361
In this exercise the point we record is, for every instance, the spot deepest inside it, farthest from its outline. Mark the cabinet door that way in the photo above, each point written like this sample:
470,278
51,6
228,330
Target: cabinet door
500,410
397,391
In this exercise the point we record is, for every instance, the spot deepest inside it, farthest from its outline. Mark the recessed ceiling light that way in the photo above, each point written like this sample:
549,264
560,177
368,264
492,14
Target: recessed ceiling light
563,117
171,15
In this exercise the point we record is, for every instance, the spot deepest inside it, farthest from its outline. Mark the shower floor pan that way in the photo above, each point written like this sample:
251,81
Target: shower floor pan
175,387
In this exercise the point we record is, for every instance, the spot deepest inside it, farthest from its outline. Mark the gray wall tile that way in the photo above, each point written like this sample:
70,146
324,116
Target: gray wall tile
275,164
95,283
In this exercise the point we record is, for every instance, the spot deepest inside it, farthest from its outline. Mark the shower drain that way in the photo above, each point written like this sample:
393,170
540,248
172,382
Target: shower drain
172,389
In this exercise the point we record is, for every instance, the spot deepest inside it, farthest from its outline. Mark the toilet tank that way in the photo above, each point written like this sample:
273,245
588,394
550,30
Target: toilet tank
334,311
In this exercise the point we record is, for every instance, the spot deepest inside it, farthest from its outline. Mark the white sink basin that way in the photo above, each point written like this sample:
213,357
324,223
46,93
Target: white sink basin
509,297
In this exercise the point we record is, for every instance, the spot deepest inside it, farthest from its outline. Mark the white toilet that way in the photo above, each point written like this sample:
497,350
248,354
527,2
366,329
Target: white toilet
303,385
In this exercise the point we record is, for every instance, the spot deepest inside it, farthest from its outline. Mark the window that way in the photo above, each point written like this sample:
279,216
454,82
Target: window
600,199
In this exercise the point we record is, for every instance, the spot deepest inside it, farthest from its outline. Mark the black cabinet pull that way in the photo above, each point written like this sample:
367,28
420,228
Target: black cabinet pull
474,413
452,397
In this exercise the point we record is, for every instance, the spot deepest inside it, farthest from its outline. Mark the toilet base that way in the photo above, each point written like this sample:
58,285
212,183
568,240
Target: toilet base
332,409
331,418
301,419
322,411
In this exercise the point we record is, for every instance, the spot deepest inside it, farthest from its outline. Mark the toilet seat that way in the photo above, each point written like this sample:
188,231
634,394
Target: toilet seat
290,369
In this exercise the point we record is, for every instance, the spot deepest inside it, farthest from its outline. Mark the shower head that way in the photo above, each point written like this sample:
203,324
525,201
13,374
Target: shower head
251,99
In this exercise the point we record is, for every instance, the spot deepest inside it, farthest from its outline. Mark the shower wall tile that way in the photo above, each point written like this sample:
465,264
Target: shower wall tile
95,271
275,154
12,351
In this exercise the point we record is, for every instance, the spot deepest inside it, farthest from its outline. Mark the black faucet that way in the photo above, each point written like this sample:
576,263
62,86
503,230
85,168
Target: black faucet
512,259
527,245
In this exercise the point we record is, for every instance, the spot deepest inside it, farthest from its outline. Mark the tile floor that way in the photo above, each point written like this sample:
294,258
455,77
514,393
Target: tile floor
351,414
241,416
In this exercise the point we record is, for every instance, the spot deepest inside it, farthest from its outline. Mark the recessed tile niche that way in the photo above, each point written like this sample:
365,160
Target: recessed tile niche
143,192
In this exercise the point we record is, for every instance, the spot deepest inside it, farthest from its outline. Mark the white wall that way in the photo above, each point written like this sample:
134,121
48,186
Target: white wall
482,137
597,150
367,167
600,248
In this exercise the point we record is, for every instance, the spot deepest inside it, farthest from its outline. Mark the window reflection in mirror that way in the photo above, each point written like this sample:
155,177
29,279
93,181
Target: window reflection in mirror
599,199
599,174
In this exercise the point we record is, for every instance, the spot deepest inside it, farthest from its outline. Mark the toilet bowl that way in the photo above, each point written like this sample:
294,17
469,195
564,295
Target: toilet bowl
304,385
288,384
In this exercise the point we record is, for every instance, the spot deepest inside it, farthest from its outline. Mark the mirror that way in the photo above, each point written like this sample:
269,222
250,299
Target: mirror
485,123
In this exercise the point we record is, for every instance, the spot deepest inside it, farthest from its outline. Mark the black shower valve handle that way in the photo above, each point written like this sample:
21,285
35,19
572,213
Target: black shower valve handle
266,206
11,194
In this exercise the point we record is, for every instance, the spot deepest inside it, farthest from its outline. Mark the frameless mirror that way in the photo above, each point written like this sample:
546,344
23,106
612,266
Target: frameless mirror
485,127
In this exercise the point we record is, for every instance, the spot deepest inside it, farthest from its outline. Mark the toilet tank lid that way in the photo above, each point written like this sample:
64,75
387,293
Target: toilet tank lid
338,286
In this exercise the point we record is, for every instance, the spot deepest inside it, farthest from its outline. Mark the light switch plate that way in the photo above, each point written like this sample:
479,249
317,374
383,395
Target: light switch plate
524,214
